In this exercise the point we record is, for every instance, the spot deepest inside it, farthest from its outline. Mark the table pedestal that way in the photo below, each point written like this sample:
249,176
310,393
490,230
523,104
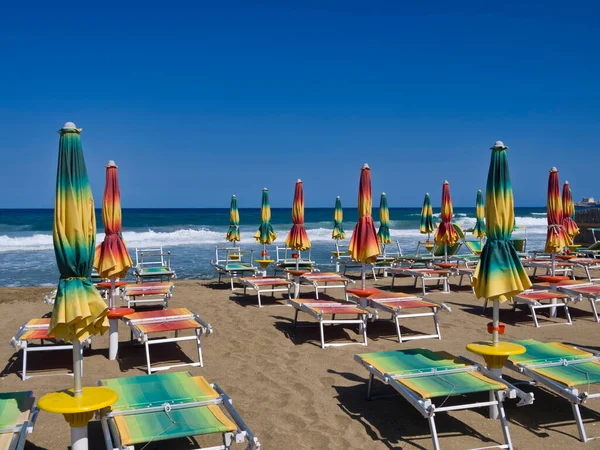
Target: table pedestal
114,315
362,294
264,263
553,281
296,274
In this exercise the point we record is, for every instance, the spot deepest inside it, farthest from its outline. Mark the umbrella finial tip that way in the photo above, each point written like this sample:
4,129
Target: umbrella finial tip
499,144
298,180
233,195
365,166
446,182
566,182
69,125
338,196
265,189
383,193
111,163
554,169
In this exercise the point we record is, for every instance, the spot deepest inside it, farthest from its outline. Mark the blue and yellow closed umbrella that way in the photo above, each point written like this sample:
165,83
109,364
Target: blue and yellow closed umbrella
233,233
479,228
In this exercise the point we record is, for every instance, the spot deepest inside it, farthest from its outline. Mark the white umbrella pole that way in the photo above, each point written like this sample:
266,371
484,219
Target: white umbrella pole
77,363
496,322
363,279
445,253
112,303
553,263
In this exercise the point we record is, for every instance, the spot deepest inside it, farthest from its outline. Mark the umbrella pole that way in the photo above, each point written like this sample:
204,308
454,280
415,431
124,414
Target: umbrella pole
79,437
496,321
553,263
112,303
363,278
445,253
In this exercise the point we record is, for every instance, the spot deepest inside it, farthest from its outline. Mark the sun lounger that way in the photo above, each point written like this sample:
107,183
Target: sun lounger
263,285
560,267
319,309
166,406
587,264
37,330
233,263
17,419
437,275
536,299
562,369
581,291
427,259
285,260
399,305
152,264
176,320
153,292
326,280
421,375
593,251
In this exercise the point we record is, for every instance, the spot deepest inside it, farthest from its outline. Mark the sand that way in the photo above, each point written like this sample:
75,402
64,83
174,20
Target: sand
295,395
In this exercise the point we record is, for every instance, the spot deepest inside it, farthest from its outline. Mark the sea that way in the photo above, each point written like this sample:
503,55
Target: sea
191,235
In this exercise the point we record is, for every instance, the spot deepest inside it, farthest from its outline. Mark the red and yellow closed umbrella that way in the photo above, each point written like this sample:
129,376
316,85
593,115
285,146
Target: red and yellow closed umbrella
446,234
556,238
297,239
568,223
364,246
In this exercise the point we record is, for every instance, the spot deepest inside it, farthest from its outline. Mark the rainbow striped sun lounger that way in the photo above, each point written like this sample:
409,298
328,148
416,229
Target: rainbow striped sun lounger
560,267
168,406
536,299
230,262
17,419
37,330
326,280
319,309
437,275
398,305
153,263
420,375
263,285
581,291
560,368
152,292
176,320
587,264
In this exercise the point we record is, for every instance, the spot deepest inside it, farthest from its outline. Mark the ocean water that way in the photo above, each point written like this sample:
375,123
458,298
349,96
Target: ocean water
27,256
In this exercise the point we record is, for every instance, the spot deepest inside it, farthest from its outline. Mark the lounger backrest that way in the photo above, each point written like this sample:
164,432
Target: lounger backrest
520,244
474,246
392,250
152,257
284,254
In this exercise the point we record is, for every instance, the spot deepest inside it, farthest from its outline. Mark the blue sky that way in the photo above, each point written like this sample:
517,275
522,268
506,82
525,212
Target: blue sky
196,101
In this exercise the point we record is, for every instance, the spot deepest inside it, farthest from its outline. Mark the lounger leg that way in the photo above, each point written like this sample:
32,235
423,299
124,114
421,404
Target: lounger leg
258,295
503,421
198,343
434,436
322,334
148,357
364,329
24,374
594,309
227,440
296,318
370,386
397,322
578,419
393,279
532,309
436,324
422,285
568,314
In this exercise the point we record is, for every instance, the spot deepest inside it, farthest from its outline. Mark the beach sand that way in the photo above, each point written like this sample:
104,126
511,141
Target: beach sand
295,395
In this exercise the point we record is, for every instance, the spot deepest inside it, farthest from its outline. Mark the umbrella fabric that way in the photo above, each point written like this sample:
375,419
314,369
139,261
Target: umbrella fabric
265,234
446,234
499,273
568,223
79,311
479,228
233,233
112,258
364,246
426,226
338,216
383,235
556,238
297,238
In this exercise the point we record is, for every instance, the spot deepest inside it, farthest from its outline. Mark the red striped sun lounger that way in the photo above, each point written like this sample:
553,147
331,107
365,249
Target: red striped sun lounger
144,324
437,275
581,291
262,285
536,299
326,280
320,309
154,292
37,330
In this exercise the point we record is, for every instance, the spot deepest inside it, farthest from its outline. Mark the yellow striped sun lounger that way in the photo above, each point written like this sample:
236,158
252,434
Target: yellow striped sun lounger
17,418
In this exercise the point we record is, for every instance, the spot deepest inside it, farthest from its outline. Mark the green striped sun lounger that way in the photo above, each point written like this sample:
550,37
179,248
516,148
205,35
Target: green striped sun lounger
169,406
561,369
420,375
17,418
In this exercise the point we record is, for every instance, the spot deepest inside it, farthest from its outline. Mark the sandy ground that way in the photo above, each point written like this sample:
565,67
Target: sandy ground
295,395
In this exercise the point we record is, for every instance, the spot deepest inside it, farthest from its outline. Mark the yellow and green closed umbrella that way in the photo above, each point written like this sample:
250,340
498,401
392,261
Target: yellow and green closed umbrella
383,235
499,275
265,233
479,228
233,233
446,234
426,226
568,223
338,232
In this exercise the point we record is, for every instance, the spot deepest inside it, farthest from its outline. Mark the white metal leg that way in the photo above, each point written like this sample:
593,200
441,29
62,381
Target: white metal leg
113,339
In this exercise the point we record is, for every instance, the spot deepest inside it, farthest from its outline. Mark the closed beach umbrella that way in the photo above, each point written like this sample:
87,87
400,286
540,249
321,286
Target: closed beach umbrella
479,228
265,234
426,226
297,239
338,232
499,274
383,235
233,233
79,311
556,237
112,259
364,246
446,233
569,224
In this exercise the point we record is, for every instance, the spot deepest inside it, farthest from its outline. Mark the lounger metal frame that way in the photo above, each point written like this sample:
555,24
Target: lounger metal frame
275,287
578,295
423,275
427,407
131,293
21,430
144,338
233,255
241,434
158,259
535,305
560,267
314,279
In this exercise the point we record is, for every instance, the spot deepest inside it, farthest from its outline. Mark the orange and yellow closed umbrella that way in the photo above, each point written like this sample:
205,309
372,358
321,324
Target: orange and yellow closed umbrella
364,246
568,223
446,234
297,239
556,238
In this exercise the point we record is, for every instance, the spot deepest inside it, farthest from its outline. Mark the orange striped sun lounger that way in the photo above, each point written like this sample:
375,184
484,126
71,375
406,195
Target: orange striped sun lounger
177,320
437,275
262,285
326,280
37,330
580,291
427,379
153,292
17,419
320,309
536,299
399,305
560,267
587,264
